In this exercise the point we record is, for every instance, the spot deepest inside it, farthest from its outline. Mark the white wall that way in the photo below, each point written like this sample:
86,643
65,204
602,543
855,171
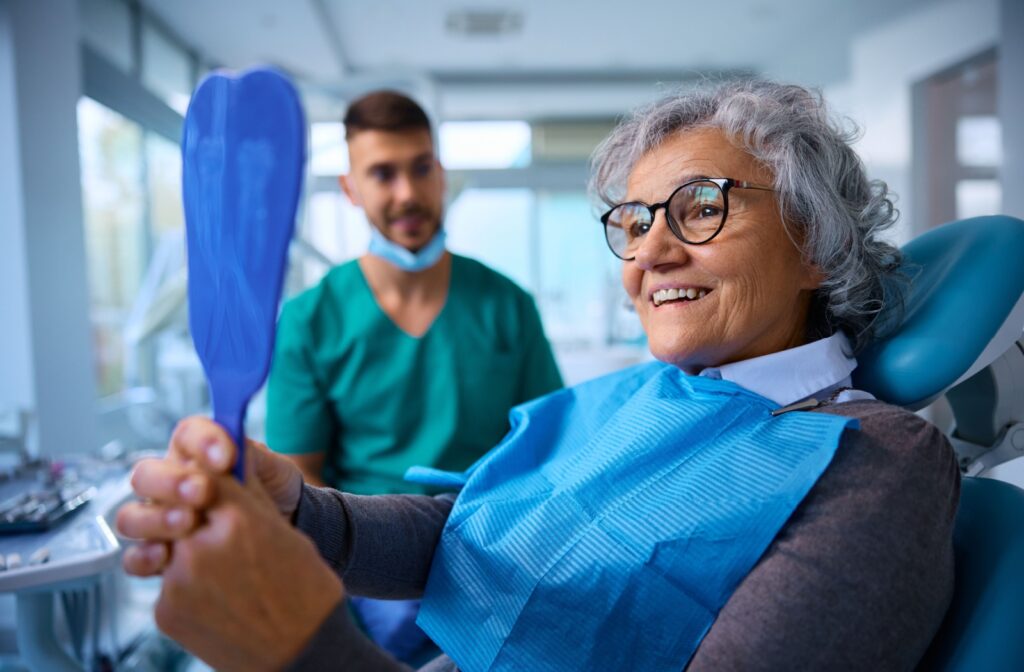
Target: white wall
45,339
16,388
1011,105
886,63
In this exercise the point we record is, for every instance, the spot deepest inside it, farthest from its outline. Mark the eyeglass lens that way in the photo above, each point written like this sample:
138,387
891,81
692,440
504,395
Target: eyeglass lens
695,214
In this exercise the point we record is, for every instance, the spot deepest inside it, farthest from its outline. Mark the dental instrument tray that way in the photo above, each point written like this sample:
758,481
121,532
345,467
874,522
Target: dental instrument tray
43,506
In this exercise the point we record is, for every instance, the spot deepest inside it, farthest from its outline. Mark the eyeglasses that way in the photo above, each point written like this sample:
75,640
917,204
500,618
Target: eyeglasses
695,213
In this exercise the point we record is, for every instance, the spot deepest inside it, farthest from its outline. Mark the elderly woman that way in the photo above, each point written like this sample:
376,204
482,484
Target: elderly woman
735,505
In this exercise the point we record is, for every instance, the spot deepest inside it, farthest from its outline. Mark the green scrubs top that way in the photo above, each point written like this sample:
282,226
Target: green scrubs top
347,381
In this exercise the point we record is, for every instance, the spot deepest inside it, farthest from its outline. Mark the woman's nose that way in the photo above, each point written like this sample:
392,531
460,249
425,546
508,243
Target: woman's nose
660,246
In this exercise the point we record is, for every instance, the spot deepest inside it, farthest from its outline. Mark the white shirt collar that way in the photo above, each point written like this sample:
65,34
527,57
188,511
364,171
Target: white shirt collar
791,375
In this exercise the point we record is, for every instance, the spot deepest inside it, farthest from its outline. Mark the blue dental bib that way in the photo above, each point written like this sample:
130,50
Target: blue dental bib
615,520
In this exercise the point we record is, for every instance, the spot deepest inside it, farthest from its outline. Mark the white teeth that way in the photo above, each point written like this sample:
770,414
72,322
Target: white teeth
690,293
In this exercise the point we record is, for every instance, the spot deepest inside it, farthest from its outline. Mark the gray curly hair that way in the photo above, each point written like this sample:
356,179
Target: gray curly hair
824,195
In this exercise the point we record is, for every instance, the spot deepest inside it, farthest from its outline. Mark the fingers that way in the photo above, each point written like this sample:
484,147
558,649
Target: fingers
279,477
146,559
199,451
229,490
153,522
204,443
172,483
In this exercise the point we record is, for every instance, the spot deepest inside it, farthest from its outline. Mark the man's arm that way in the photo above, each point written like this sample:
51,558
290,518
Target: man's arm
301,423
862,574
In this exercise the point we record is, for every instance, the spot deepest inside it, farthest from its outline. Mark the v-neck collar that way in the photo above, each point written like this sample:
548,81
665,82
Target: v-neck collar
452,285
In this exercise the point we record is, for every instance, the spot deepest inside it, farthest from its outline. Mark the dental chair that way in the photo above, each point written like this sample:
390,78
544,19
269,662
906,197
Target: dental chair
961,334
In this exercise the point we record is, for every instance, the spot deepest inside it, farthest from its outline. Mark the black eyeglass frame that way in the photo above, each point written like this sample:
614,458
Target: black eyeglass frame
724,184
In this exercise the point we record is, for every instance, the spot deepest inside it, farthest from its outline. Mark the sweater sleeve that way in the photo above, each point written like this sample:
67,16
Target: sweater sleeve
339,645
862,574
381,546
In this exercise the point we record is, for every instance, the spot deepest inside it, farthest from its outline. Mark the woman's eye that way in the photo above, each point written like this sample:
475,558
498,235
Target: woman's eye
709,210
638,229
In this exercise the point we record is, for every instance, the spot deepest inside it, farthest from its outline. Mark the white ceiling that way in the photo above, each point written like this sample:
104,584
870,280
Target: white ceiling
568,59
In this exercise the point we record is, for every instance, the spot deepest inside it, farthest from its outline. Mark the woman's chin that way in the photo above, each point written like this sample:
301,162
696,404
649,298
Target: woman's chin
686,359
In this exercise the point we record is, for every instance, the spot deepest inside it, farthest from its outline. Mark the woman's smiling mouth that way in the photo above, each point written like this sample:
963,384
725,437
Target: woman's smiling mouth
676,294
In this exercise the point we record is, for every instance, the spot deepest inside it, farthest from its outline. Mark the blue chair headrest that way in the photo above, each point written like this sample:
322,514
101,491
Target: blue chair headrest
965,307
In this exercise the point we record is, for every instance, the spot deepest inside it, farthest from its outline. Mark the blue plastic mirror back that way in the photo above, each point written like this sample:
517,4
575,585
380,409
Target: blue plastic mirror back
243,150
968,276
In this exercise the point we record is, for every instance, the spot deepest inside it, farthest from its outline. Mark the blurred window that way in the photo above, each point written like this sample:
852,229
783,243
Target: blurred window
328,152
579,277
131,191
493,226
106,26
166,68
550,243
163,173
110,148
975,198
957,143
979,141
484,144
323,227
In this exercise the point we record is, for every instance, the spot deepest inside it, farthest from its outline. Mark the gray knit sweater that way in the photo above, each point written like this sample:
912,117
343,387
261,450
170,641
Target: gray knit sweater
859,578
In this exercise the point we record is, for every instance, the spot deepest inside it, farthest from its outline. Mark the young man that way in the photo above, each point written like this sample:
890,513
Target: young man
409,355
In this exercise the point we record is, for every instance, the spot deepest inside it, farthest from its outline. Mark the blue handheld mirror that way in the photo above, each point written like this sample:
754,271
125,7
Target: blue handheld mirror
243,151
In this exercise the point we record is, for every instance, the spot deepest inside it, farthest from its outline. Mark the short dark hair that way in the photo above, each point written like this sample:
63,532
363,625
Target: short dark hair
384,111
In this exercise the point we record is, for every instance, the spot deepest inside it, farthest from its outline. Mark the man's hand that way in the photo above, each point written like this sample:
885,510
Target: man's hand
177,488
245,591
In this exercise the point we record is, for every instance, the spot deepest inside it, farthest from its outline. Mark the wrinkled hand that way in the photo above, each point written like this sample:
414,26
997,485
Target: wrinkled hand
245,591
242,589
177,488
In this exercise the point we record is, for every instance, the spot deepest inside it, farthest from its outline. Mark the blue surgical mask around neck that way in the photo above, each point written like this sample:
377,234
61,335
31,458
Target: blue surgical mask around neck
397,255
